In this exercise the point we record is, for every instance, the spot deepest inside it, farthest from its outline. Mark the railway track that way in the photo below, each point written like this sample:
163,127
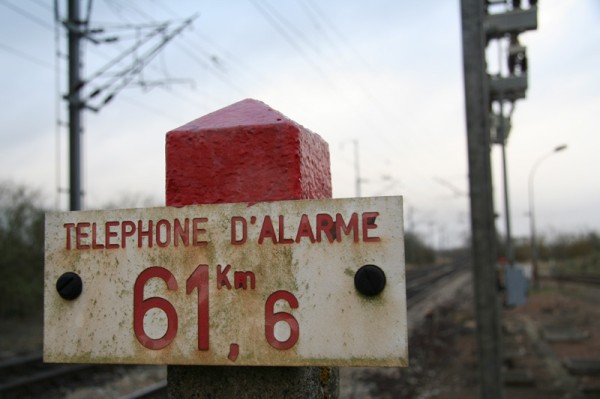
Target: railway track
154,391
420,281
591,279
24,375
28,377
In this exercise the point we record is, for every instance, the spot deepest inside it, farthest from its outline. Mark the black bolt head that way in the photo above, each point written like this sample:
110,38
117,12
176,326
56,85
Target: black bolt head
69,286
369,280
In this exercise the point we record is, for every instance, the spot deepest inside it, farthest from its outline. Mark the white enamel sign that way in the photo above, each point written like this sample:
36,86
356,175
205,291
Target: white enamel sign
318,282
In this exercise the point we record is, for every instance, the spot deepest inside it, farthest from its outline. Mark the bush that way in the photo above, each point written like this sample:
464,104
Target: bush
417,252
21,251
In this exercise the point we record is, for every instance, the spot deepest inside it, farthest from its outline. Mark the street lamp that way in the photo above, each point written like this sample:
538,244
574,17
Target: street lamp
534,251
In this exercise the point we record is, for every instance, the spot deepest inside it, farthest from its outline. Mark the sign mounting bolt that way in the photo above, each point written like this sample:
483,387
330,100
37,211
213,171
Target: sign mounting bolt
69,286
369,280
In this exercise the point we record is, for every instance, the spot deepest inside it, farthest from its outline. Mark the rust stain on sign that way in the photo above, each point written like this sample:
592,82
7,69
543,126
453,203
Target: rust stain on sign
230,284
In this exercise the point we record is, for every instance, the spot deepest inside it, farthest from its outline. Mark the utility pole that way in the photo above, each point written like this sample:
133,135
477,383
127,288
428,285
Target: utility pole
114,80
75,105
482,203
478,27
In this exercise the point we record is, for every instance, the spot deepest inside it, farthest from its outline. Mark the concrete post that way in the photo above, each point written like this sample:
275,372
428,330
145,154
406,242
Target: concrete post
483,229
247,152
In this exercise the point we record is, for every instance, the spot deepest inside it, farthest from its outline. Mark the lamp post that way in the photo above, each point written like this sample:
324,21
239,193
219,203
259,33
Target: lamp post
534,251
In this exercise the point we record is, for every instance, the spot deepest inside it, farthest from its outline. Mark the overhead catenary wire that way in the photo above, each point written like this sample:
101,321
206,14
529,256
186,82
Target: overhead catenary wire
325,25
223,55
165,85
25,56
337,40
77,30
27,15
202,57
212,93
188,50
102,70
295,38
315,56
129,73
272,18
42,4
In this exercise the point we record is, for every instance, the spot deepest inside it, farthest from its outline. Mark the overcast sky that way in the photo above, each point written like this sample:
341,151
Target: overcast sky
386,74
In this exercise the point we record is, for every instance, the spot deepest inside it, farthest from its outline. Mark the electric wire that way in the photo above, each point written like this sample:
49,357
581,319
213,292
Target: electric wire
290,34
325,25
128,74
280,28
42,4
28,15
200,57
151,109
28,57
236,63
177,95
135,9
191,52
297,41
103,69
319,14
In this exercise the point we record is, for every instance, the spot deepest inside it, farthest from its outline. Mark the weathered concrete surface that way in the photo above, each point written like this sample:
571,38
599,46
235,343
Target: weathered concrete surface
249,382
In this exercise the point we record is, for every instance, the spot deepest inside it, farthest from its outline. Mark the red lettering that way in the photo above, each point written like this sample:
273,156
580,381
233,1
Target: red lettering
199,280
234,352
305,230
145,233
126,232
234,222
196,231
95,245
340,226
68,227
272,318
182,233
80,235
267,231
222,278
108,234
368,223
167,227
141,306
325,225
241,279
282,239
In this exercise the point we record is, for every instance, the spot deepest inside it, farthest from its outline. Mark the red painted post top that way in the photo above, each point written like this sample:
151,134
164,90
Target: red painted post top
246,152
